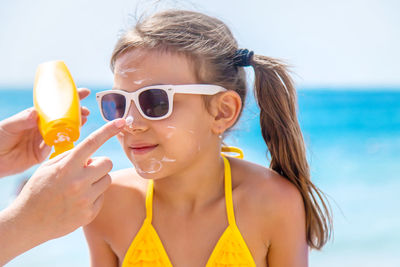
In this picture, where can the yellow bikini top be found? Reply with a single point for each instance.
(231, 249)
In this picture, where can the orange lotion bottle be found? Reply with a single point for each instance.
(56, 101)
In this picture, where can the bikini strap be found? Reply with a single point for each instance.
(149, 201)
(234, 152)
(228, 192)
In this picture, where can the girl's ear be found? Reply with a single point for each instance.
(225, 109)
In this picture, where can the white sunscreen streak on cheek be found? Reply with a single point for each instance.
(165, 159)
(169, 135)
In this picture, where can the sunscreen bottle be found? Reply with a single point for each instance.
(56, 101)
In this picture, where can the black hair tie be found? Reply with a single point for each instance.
(243, 58)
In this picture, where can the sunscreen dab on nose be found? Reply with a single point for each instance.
(56, 101)
(129, 121)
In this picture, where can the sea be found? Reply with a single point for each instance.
(353, 147)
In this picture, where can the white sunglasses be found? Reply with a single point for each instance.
(153, 102)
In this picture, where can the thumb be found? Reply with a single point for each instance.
(24, 120)
(87, 147)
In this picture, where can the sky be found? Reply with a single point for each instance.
(328, 43)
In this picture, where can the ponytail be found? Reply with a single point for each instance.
(276, 97)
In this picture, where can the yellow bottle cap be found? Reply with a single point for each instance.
(61, 148)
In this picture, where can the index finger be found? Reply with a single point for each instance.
(83, 93)
(95, 140)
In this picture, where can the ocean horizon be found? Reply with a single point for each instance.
(352, 136)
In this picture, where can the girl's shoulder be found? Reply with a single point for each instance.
(263, 194)
(123, 206)
(127, 192)
(260, 181)
(127, 181)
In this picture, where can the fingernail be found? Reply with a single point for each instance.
(119, 123)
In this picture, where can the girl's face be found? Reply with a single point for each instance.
(159, 148)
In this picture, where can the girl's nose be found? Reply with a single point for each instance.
(135, 121)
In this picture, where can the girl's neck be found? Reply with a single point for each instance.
(194, 187)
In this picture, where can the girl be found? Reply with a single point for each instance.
(180, 84)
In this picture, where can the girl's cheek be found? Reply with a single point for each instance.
(181, 142)
(170, 132)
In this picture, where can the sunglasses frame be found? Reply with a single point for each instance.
(171, 90)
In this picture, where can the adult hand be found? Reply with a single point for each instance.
(21, 144)
(63, 194)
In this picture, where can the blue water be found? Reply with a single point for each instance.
(353, 142)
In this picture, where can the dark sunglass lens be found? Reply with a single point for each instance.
(154, 102)
(113, 106)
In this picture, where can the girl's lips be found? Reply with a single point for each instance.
(142, 149)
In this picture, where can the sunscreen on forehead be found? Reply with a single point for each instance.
(56, 101)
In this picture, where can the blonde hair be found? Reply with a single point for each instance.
(210, 45)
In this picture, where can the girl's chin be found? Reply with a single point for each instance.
(145, 176)
(150, 176)
(149, 168)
